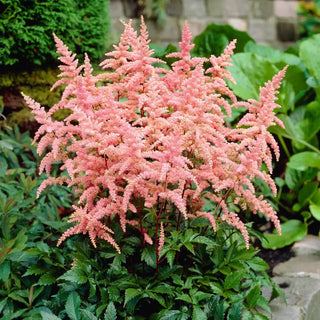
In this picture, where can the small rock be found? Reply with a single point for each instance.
(310, 245)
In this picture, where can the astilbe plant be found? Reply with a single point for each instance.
(141, 137)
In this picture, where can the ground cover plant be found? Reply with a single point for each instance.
(164, 183)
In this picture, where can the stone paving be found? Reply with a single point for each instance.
(299, 279)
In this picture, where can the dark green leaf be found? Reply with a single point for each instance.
(253, 296)
(111, 312)
(233, 279)
(130, 294)
(5, 271)
(75, 275)
(149, 256)
(73, 305)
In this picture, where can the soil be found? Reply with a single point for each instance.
(274, 257)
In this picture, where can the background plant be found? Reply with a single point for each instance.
(26, 29)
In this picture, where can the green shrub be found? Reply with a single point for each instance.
(26, 29)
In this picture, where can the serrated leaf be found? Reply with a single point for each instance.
(87, 315)
(73, 305)
(198, 314)
(205, 240)
(263, 303)
(253, 296)
(235, 312)
(149, 256)
(171, 315)
(184, 297)
(233, 279)
(47, 279)
(75, 275)
(5, 271)
(49, 316)
(158, 298)
(35, 269)
(111, 312)
(170, 257)
(130, 294)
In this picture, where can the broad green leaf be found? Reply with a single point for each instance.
(111, 312)
(233, 279)
(315, 211)
(250, 73)
(310, 124)
(311, 60)
(307, 192)
(73, 305)
(291, 231)
(301, 161)
(271, 54)
(215, 38)
(295, 178)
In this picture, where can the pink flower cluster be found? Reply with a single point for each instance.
(138, 133)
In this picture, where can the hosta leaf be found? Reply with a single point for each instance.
(73, 305)
(250, 73)
(301, 161)
(315, 211)
(111, 312)
(291, 231)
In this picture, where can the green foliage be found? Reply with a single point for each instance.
(309, 13)
(200, 274)
(216, 37)
(26, 29)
